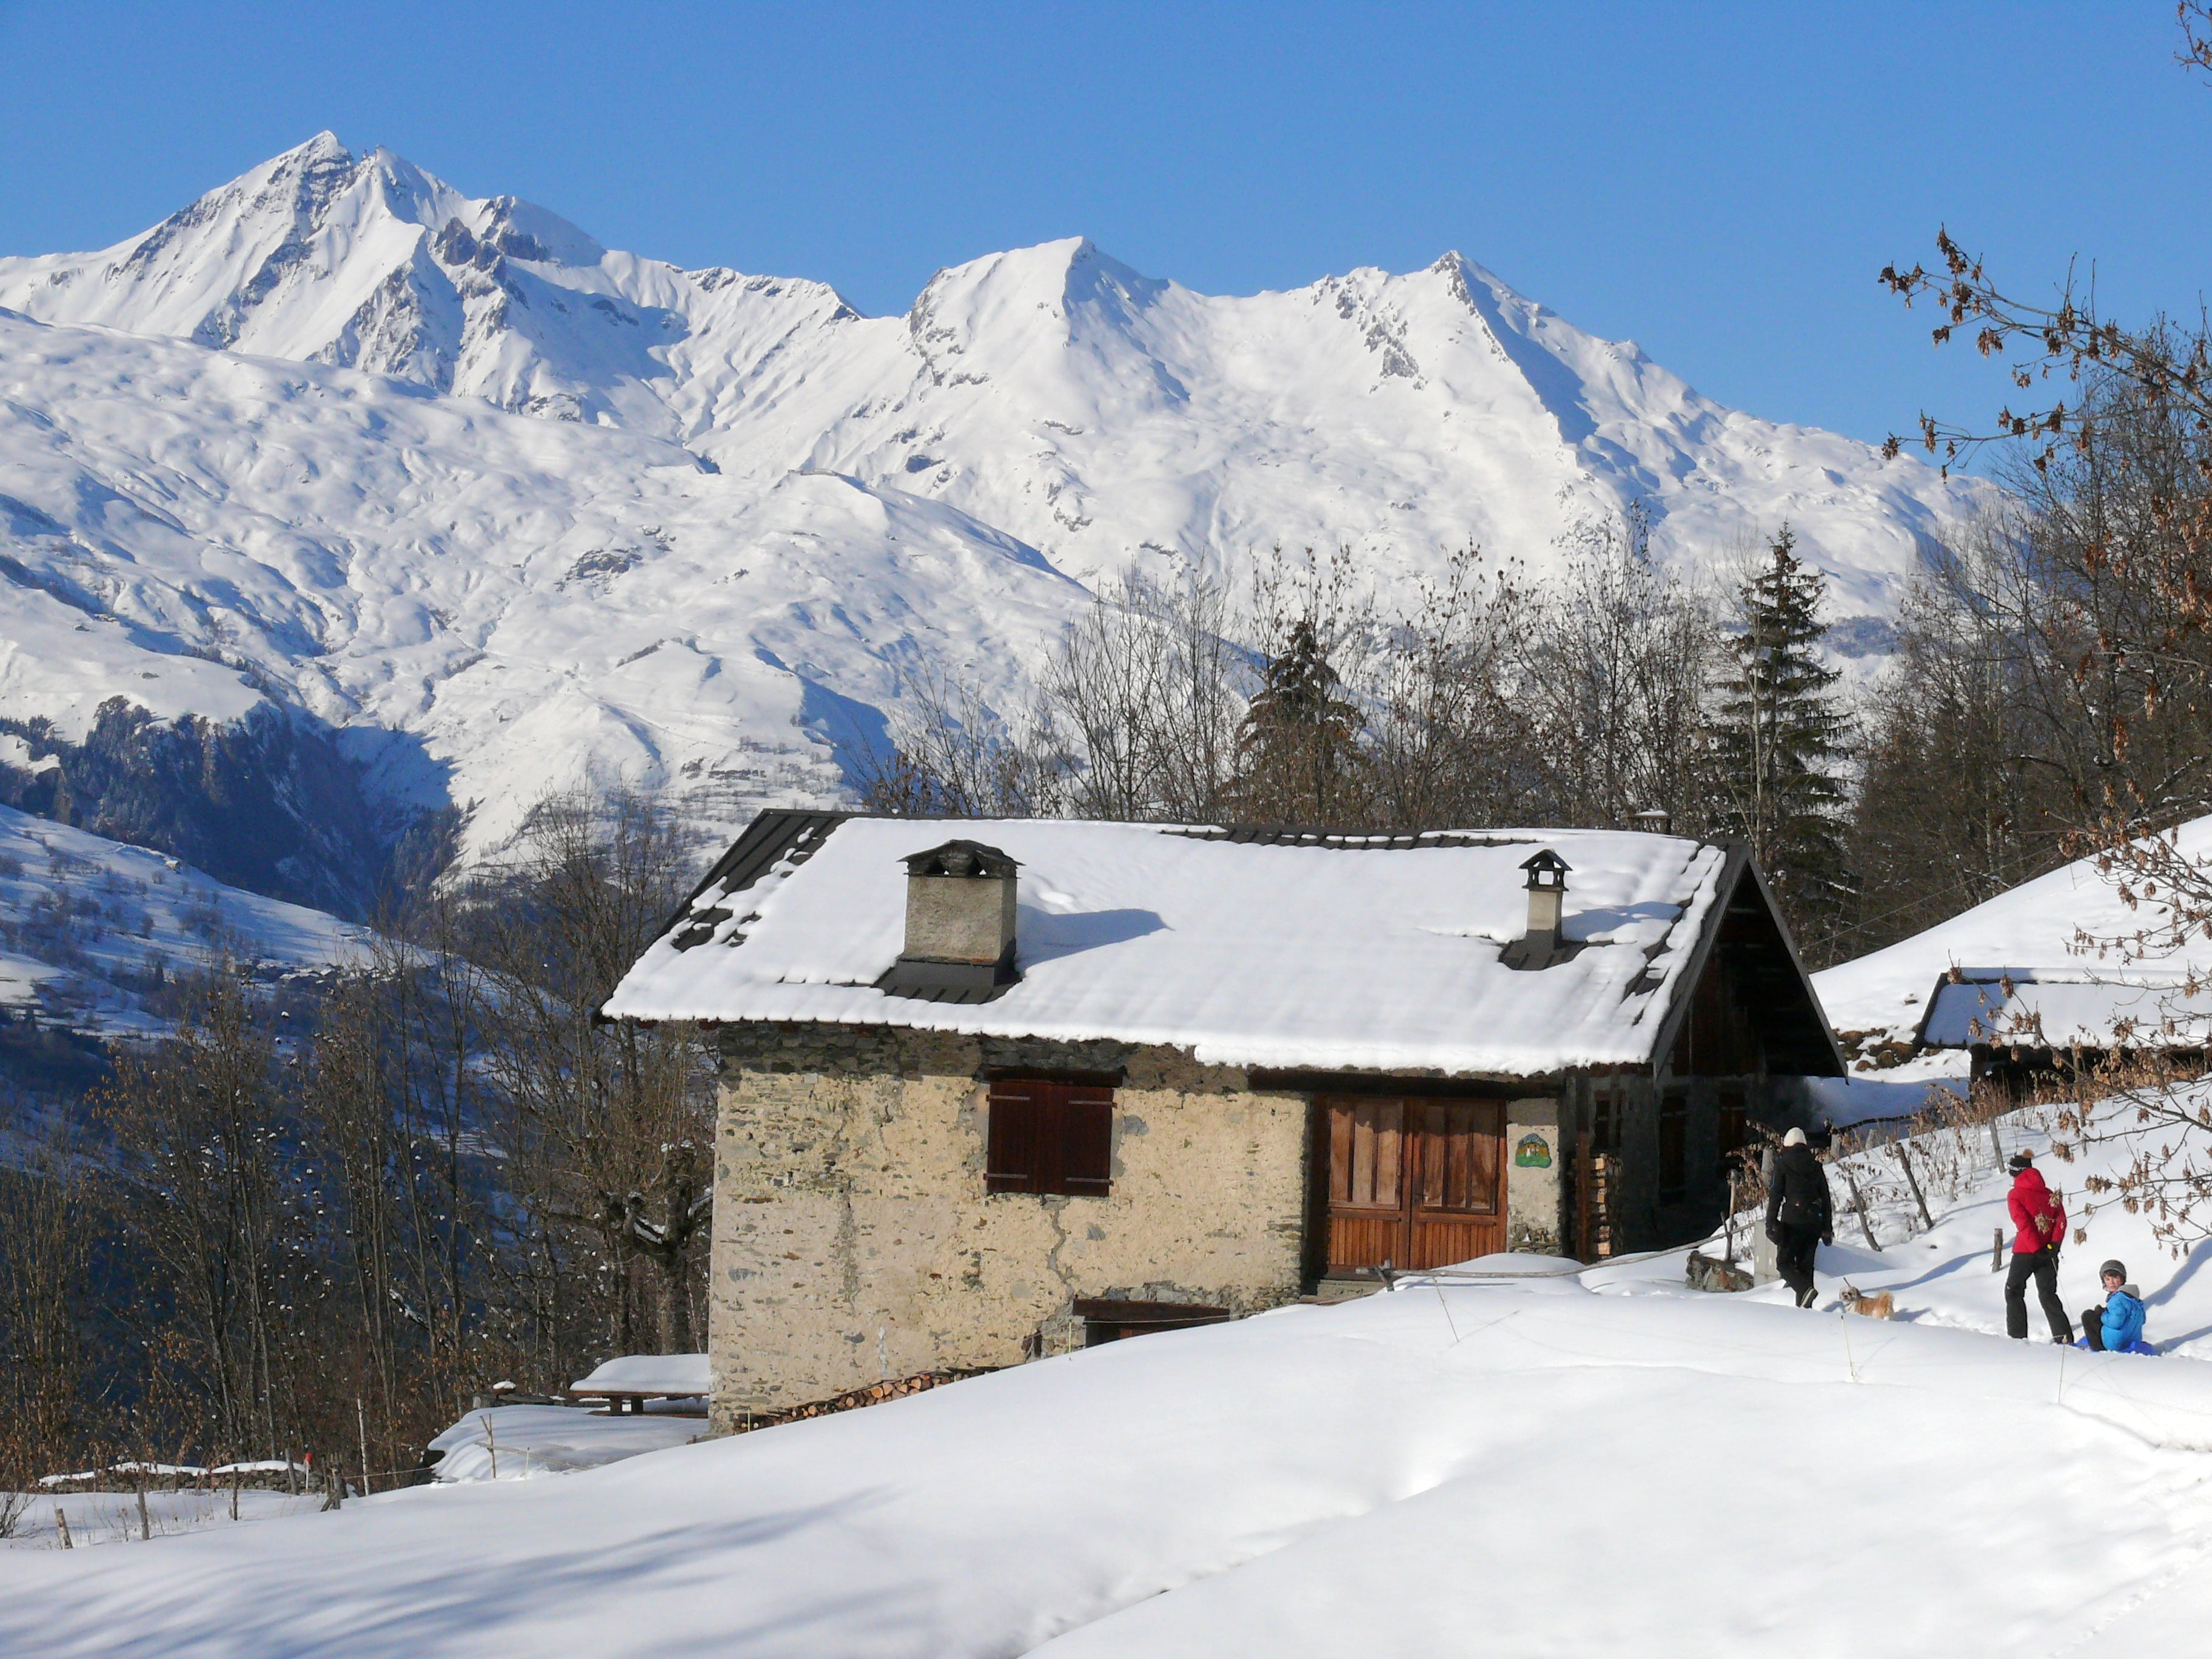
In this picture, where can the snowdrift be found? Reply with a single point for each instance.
(522, 1443)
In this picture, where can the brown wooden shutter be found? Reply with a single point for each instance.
(1366, 1159)
(1049, 1138)
(1010, 1160)
(1085, 1137)
(1457, 1155)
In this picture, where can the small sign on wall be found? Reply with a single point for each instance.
(1533, 1151)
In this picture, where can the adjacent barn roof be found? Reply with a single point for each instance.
(2045, 952)
(1275, 950)
(2002, 1011)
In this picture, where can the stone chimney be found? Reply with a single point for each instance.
(1547, 903)
(959, 925)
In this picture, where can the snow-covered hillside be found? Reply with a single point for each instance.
(485, 604)
(1600, 1463)
(92, 934)
(507, 508)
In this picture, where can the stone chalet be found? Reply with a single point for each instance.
(992, 1088)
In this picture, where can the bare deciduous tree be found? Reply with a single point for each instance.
(604, 1127)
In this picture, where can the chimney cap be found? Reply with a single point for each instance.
(1548, 869)
(961, 858)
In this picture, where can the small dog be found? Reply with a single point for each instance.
(1882, 1305)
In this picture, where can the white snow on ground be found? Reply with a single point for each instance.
(252, 452)
(1603, 1462)
(1247, 955)
(518, 1442)
(85, 922)
(2031, 933)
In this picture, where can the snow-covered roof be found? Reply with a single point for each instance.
(1381, 954)
(2065, 1014)
(2033, 936)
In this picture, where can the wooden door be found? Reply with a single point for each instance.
(1414, 1182)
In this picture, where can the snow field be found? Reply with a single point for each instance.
(1600, 1462)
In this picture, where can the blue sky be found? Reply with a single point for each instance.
(1720, 182)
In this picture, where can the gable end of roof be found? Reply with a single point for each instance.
(1809, 1047)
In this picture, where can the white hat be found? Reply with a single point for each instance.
(1795, 1138)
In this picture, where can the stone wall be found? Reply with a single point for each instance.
(1535, 1218)
(854, 1241)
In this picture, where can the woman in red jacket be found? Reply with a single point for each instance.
(2039, 1221)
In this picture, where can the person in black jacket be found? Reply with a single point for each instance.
(1799, 1216)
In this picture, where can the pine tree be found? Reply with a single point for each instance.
(1781, 744)
(1297, 748)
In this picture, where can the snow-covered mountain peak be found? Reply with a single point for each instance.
(484, 605)
(1092, 411)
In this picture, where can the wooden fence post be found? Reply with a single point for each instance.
(1858, 1203)
(1905, 1160)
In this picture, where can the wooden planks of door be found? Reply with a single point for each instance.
(1413, 1182)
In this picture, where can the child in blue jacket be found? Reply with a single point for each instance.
(2117, 1327)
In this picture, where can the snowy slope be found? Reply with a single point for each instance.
(491, 604)
(724, 518)
(90, 930)
(1567, 1466)
(2035, 932)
